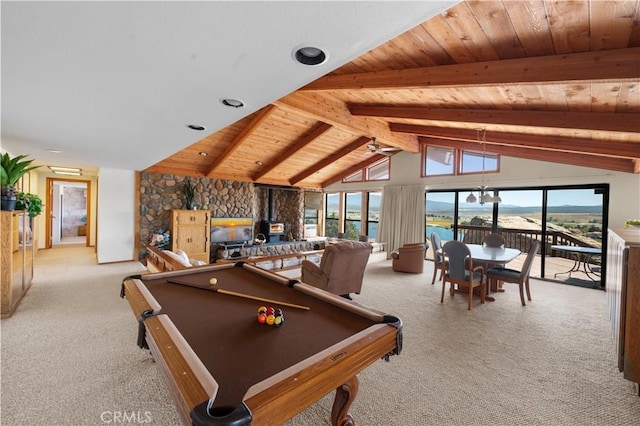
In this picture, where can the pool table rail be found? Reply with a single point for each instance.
(315, 377)
(186, 386)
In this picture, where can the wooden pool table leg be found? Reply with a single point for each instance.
(345, 395)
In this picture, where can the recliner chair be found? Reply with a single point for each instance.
(341, 269)
(409, 258)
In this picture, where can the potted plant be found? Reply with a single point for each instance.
(12, 169)
(189, 191)
(31, 203)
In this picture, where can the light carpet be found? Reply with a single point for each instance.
(69, 355)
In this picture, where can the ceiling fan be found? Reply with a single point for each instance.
(377, 149)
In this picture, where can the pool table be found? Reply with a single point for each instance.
(223, 367)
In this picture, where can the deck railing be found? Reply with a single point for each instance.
(521, 239)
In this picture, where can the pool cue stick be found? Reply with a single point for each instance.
(261, 299)
(244, 295)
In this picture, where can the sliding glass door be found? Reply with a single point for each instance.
(575, 225)
(519, 221)
(570, 223)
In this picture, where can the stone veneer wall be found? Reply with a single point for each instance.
(161, 193)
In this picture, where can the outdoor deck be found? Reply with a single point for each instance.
(557, 263)
(554, 265)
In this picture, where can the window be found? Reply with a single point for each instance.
(332, 218)
(437, 161)
(377, 171)
(440, 161)
(440, 216)
(373, 213)
(478, 162)
(353, 215)
(356, 177)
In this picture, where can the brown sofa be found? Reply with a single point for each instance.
(341, 269)
(409, 258)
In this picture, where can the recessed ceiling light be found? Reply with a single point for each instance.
(234, 103)
(203, 154)
(259, 163)
(195, 127)
(310, 55)
(54, 151)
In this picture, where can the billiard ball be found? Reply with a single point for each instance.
(270, 311)
(213, 281)
(270, 319)
(262, 318)
(279, 321)
(262, 310)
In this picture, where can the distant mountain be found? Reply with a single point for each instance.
(442, 206)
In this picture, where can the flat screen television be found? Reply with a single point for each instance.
(226, 230)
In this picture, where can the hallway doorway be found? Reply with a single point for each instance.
(67, 213)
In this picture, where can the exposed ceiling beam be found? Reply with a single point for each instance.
(627, 165)
(601, 66)
(361, 141)
(262, 115)
(366, 163)
(612, 122)
(305, 140)
(335, 112)
(557, 143)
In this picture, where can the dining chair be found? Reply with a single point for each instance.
(493, 240)
(436, 245)
(458, 269)
(500, 273)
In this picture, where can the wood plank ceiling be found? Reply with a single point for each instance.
(549, 80)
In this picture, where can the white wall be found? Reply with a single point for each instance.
(116, 215)
(624, 202)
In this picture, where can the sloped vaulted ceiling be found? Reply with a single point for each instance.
(548, 80)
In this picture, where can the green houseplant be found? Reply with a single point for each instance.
(632, 222)
(11, 170)
(31, 203)
(189, 191)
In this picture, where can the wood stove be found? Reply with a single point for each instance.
(272, 230)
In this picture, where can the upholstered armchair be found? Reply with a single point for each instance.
(409, 258)
(341, 269)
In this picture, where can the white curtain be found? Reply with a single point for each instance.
(401, 216)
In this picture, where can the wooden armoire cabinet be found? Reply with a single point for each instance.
(623, 298)
(190, 232)
(17, 249)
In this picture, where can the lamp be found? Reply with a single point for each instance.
(484, 196)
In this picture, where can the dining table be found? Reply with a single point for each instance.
(491, 256)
